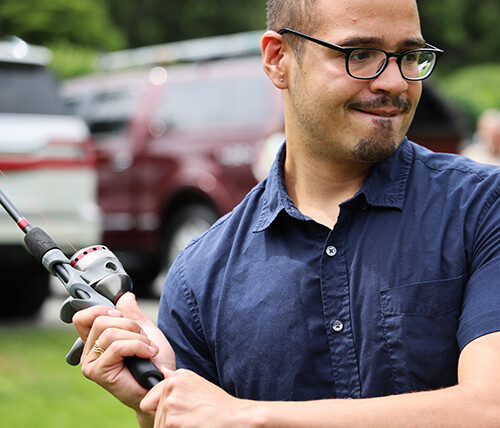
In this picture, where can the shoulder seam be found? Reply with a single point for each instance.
(487, 205)
(481, 176)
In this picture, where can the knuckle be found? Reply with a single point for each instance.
(87, 371)
(108, 334)
(113, 347)
(131, 325)
(172, 422)
(100, 322)
(183, 373)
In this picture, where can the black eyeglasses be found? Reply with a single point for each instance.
(368, 63)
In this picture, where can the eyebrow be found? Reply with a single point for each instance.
(376, 41)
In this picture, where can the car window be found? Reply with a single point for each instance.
(106, 112)
(28, 89)
(204, 104)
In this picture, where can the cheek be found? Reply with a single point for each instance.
(414, 93)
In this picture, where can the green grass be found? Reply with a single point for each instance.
(39, 389)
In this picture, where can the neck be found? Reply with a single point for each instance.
(318, 187)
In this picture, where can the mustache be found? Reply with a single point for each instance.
(399, 103)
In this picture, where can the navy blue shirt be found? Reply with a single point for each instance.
(271, 305)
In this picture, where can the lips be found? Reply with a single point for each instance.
(380, 113)
(382, 107)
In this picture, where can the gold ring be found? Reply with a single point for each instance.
(97, 349)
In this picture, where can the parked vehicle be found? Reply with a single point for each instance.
(178, 129)
(47, 160)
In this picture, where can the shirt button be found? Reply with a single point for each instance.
(337, 326)
(331, 250)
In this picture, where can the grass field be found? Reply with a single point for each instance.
(39, 389)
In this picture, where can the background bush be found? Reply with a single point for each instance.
(473, 88)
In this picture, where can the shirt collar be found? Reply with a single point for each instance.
(385, 186)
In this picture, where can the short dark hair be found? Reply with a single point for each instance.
(296, 14)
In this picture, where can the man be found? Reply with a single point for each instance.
(355, 286)
(486, 147)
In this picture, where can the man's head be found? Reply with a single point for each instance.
(297, 14)
(329, 113)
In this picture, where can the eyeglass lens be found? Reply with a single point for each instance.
(367, 63)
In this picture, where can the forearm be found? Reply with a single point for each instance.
(450, 407)
(144, 420)
(189, 400)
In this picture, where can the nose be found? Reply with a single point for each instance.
(390, 81)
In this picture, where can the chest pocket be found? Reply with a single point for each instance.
(420, 322)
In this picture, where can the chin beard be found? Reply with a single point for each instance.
(378, 146)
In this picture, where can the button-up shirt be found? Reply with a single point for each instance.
(271, 305)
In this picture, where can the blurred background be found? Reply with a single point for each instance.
(136, 125)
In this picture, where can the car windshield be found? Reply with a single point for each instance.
(28, 89)
(228, 101)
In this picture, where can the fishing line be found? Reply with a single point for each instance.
(37, 210)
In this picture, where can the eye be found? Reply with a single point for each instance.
(362, 55)
(412, 57)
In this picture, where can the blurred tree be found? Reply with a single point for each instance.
(83, 22)
(467, 30)
(160, 21)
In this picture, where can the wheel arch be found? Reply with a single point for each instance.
(183, 198)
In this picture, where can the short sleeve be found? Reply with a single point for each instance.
(178, 319)
(481, 299)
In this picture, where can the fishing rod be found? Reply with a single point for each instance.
(93, 276)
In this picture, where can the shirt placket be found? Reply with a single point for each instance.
(336, 308)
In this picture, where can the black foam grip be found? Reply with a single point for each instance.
(144, 371)
(38, 242)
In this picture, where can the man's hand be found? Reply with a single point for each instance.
(121, 332)
(185, 399)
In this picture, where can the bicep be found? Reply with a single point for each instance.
(479, 365)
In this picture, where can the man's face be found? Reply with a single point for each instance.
(341, 118)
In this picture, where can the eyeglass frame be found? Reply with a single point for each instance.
(348, 52)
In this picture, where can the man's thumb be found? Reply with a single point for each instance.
(127, 305)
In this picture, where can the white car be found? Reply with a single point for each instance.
(47, 166)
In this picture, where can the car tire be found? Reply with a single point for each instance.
(24, 290)
(187, 223)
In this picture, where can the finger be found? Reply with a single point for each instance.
(162, 410)
(111, 335)
(120, 349)
(116, 326)
(104, 368)
(84, 319)
(149, 403)
(166, 371)
(128, 306)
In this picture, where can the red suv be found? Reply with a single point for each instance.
(177, 144)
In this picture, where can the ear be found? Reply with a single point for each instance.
(274, 58)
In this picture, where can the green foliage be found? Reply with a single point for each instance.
(38, 389)
(161, 21)
(82, 22)
(71, 60)
(474, 88)
(467, 30)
